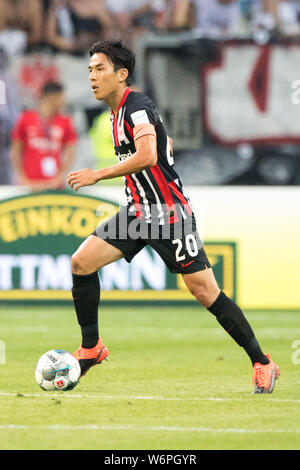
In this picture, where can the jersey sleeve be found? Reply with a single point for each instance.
(141, 111)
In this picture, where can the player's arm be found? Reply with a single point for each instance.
(144, 157)
(68, 158)
(52, 36)
(16, 151)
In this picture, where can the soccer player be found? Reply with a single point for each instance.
(158, 214)
(43, 141)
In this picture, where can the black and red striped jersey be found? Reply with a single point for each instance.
(156, 193)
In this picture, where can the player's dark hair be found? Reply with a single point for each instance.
(118, 54)
(52, 87)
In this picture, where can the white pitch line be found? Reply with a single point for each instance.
(105, 397)
(132, 397)
(95, 427)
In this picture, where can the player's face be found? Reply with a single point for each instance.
(55, 102)
(58, 101)
(103, 78)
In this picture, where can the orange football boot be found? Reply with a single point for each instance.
(264, 376)
(91, 357)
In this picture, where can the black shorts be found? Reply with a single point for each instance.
(177, 244)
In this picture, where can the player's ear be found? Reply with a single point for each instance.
(122, 74)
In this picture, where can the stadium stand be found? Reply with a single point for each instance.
(176, 42)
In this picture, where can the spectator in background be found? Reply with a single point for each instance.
(20, 25)
(288, 13)
(43, 142)
(264, 15)
(10, 107)
(276, 16)
(73, 25)
(175, 15)
(218, 18)
(133, 18)
(119, 11)
(142, 18)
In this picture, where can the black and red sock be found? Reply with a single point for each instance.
(232, 319)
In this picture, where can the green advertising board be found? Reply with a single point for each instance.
(39, 233)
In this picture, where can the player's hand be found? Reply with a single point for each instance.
(85, 177)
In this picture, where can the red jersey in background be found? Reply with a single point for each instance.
(43, 142)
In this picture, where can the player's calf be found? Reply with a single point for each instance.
(203, 286)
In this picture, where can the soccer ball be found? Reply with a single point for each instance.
(57, 370)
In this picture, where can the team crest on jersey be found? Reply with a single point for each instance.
(57, 132)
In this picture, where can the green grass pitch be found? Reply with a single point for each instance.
(174, 380)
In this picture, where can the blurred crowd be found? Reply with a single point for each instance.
(72, 25)
(44, 139)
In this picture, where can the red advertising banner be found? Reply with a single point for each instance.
(248, 94)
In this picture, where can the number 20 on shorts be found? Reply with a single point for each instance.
(191, 246)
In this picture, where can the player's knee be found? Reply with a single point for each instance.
(204, 294)
(79, 265)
